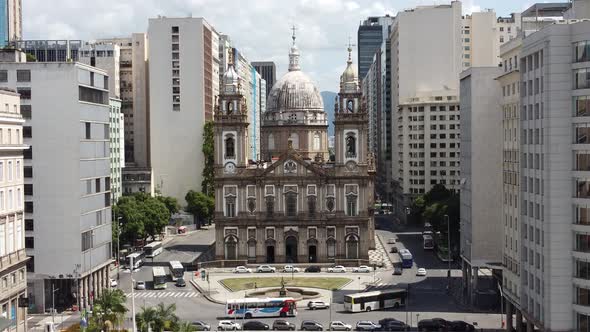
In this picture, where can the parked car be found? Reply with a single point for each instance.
(392, 324)
(366, 325)
(228, 325)
(113, 283)
(255, 325)
(182, 230)
(310, 325)
(291, 268)
(283, 325)
(337, 269)
(461, 326)
(397, 270)
(421, 272)
(313, 305)
(180, 282)
(393, 250)
(340, 326)
(362, 269)
(140, 285)
(201, 326)
(242, 269)
(434, 324)
(391, 240)
(313, 269)
(265, 269)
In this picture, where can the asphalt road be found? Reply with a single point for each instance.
(428, 297)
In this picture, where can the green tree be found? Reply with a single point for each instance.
(156, 217)
(147, 318)
(167, 319)
(141, 216)
(185, 327)
(208, 183)
(170, 202)
(109, 309)
(200, 205)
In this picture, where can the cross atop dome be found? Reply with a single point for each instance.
(294, 53)
(350, 45)
(293, 28)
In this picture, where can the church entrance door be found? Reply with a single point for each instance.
(270, 254)
(291, 249)
(313, 258)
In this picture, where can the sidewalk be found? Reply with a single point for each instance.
(37, 322)
(215, 292)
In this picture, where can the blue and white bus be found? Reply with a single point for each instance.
(407, 258)
(254, 307)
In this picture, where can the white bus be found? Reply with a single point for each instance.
(376, 300)
(137, 260)
(428, 242)
(269, 307)
(176, 270)
(153, 249)
(160, 277)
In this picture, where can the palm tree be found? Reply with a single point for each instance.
(185, 327)
(167, 319)
(147, 317)
(110, 307)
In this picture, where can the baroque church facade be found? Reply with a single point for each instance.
(294, 205)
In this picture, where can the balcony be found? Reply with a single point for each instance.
(13, 258)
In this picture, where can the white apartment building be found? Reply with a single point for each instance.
(116, 148)
(181, 61)
(482, 35)
(509, 80)
(13, 257)
(481, 177)
(425, 99)
(133, 72)
(67, 179)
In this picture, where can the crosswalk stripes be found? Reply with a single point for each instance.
(163, 294)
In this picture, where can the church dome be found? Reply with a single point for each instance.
(294, 91)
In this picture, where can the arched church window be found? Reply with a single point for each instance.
(350, 146)
(230, 107)
(311, 205)
(316, 141)
(352, 247)
(230, 147)
(291, 204)
(270, 206)
(350, 106)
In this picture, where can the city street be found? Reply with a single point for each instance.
(428, 297)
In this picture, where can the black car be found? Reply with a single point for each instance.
(201, 326)
(313, 268)
(434, 324)
(180, 282)
(461, 326)
(393, 250)
(254, 325)
(310, 325)
(283, 325)
(392, 324)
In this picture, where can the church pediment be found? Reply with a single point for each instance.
(292, 164)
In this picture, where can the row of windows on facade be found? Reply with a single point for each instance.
(96, 185)
(442, 108)
(433, 173)
(536, 86)
(452, 117)
(10, 136)
(97, 53)
(7, 203)
(175, 69)
(433, 182)
(508, 66)
(88, 131)
(533, 160)
(434, 136)
(510, 89)
(11, 237)
(22, 75)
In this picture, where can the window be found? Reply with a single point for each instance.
(25, 93)
(175, 29)
(28, 171)
(86, 240)
(88, 131)
(23, 75)
(291, 204)
(28, 153)
(97, 185)
(91, 95)
(29, 242)
(230, 147)
(351, 192)
(28, 189)
(29, 225)
(582, 51)
(350, 145)
(9, 170)
(3, 76)
(31, 264)
(27, 132)
(582, 78)
(28, 205)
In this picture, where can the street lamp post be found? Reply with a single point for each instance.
(446, 216)
(53, 290)
(132, 296)
(118, 246)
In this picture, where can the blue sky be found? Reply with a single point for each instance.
(259, 28)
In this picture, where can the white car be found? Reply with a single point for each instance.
(337, 269)
(140, 285)
(266, 268)
(391, 240)
(291, 268)
(421, 272)
(242, 269)
(362, 269)
(113, 283)
(313, 305)
(340, 326)
(228, 325)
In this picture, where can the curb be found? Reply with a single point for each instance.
(384, 247)
(207, 296)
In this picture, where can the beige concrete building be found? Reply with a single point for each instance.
(294, 206)
(13, 258)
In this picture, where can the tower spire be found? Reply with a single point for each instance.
(294, 53)
(350, 45)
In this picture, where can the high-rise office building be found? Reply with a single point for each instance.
(12, 217)
(67, 188)
(370, 36)
(425, 100)
(182, 55)
(481, 179)
(133, 91)
(268, 71)
(10, 21)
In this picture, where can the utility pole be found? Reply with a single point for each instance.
(132, 297)
(53, 290)
(118, 246)
(446, 216)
